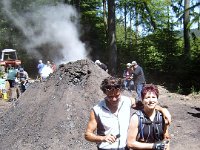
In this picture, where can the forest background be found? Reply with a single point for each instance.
(163, 36)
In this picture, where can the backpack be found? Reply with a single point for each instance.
(157, 124)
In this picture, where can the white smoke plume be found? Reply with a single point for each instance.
(55, 27)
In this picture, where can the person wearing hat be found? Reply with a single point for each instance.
(101, 65)
(49, 64)
(23, 77)
(40, 66)
(128, 77)
(139, 80)
(109, 119)
(148, 129)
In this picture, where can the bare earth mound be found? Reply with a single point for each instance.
(53, 114)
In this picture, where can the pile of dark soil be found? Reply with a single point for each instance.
(53, 114)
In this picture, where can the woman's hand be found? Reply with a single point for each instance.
(161, 145)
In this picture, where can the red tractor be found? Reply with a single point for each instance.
(9, 57)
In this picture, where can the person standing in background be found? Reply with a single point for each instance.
(139, 81)
(11, 75)
(101, 65)
(128, 77)
(23, 77)
(53, 66)
(49, 64)
(40, 66)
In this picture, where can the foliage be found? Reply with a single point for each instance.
(149, 38)
(195, 49)
(92, 24)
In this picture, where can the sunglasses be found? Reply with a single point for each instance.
(112, 87)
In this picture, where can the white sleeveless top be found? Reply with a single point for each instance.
(109, 123)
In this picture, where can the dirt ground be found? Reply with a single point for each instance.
(53, 114)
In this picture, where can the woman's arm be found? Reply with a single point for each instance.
(167, 136)
(166, 132)
(132, 135)
(167, 119)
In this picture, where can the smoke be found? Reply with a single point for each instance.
(51, 31)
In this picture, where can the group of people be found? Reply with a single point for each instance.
(113, 126)
(133, 76)
(134, 79)
(44, 70)
(15, 75)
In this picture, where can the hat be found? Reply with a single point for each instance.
(97, 62)
(128, 65)
(134, 63)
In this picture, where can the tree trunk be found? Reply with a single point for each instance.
(67, 1)
(131, 33)
(125, 32)
(136, 23)
(152, 20)
(186, 29)
(112, 38)
(199, 21)
(105, 18)
(77, 5)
